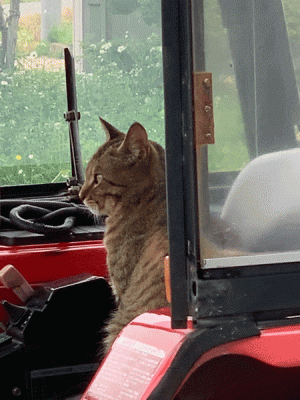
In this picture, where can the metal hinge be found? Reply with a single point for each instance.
(203, 108)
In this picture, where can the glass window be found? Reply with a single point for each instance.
(118, 52)
(252, 49)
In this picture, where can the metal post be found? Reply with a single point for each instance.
(51, 16)
(182, 219)
(72, 117)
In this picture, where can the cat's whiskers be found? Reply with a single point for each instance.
(92, 205)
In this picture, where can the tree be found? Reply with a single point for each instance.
(9, 28)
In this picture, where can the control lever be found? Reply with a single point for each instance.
(12, 279)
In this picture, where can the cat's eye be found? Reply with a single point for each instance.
(97, 178)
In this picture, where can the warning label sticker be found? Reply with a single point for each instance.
(126, 372)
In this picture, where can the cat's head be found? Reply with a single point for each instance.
(124, 164)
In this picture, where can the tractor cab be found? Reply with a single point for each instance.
(231, 115)
(231, 80)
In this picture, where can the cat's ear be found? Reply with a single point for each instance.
(136, 140)
(111, 131)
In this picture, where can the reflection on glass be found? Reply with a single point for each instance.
(252, 49)
(230, 150)
(119, 78)
(33, 134)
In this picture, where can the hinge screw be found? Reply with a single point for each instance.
(206, 82)
(16, 392)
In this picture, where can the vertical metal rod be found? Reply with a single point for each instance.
(72, 118)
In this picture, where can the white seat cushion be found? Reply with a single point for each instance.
(263, 205)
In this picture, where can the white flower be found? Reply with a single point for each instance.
(20, 171)
(106, 46)
(33, 54)
(30, 156)
(4, 83)
(121, 48)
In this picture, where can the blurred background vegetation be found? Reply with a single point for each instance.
(124, 83)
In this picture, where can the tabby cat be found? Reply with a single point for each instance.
(125, 180)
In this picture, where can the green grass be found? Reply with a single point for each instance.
(229, 152)
(34, 174)
(32, 125)
(33, 133)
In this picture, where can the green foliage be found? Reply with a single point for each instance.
(33, 102)
(61, 34)
(292, 14)
(29, 35)
(124, 7)
(230, 149)
(43, 48)
(125, 84)
(149, 9)
(24, 174)
(129, 77)
(25, 42)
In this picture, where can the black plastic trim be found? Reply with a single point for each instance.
(76, 234)
(258, 294)
(33, 191)
(174, 126)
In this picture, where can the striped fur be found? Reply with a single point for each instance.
(125, 179)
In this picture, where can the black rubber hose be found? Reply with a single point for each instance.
(8, 204)
(42, 216)
(49, 204)
(64, 212)
(22, 215)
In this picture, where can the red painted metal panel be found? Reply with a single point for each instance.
(279, 347)
(138, 358)
(48, 262)
(145, 349)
